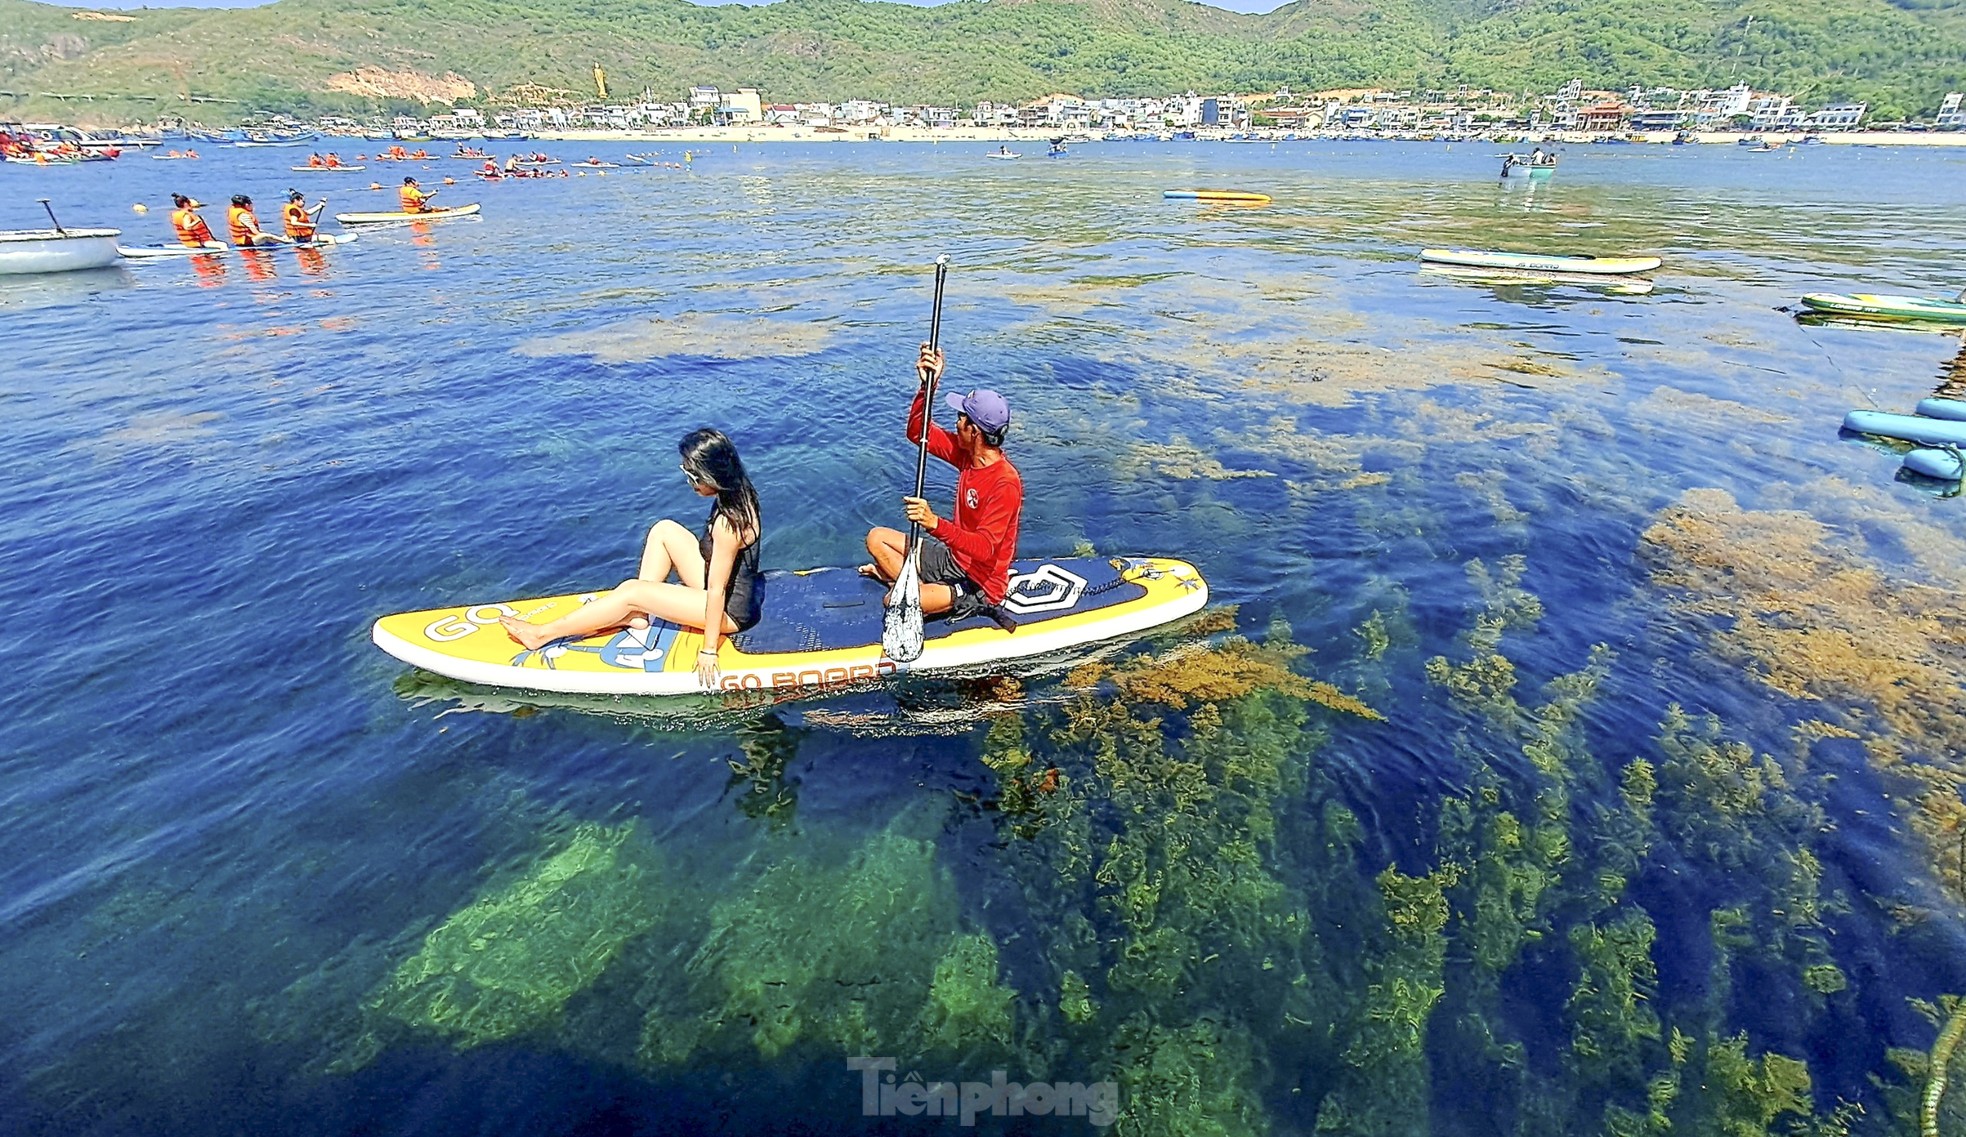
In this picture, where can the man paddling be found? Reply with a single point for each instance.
(415, 200)
(965, 558)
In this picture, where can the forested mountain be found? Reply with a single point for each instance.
(311, 56)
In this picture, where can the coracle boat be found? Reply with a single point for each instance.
(24, 251)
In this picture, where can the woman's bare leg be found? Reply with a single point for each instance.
(676, 603)
(670, 547)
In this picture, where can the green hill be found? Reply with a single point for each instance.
(313, 56)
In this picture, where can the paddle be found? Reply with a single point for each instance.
(902, 635)
(63, 232)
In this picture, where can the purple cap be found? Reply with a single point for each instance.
(985, 408)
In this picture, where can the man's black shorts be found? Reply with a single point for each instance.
(938, 566)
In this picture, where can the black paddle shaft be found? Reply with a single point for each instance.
(928, 395)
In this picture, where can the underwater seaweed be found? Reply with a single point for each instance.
(508, 963)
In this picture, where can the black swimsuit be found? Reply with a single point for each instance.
(744, 599)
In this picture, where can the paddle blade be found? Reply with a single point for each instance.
(901, 636)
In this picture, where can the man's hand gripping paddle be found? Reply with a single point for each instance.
(902, 635)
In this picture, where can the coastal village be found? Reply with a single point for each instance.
(1571, 113)
(1459, 112)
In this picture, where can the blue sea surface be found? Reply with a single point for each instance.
(256, 876)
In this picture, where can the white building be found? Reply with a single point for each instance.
(1844, 116)
(1951, 116)
(739, 108)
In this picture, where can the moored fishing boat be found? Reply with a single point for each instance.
(24, 251)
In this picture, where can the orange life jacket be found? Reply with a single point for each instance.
(243, 225)
(300, 223)
(413, 199)
(191, 228)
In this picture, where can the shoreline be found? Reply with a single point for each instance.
(1040, 137)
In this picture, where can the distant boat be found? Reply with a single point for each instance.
(25, 251)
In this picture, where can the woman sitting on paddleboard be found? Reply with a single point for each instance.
(721, 590)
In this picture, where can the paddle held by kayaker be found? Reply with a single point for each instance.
(965, 558)
(719, 588)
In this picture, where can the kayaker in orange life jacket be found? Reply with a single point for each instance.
(415, 200)
(244, 225)
(191, 228)
(301, 222)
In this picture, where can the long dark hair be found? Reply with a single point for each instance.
(711, 460)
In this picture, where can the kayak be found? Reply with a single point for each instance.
(1877, 307)
(431, 215)
(166, 252)
(821, 630)
(1217, 195)
(1592, 266)
(326, 169)
(1005, 157)
(592, 166)
(1933, 462)
(1908, 428)
(1942, 408)
(1623, 286)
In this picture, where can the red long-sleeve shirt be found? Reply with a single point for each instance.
(982, 533)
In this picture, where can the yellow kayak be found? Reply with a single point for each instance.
(1242, 196)
(821, 630)
(397, 215)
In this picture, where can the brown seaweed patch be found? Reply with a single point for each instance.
(1219, 673)
(1178, 459)
(1676, 405)
(693, 333)
(1814, 621)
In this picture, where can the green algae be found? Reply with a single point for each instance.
(508, 963)
(864, 956)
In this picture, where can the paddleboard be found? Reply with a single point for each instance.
(1910, 428)
(1936, 407)
(1589, 266)
(166, 252)
(382, 218)
(821, 629)
(1876, 307)
(327, 169)
(1217, 195)
(592, 166)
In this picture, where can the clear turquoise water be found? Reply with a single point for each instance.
(253, 877)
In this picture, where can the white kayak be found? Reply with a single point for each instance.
(172, 252)
(1530, 262)
(327, 169)
(398, 215)
(25, 251)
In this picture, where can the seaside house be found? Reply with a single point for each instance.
(1951, 117)
(1843, 116)
(741, 107)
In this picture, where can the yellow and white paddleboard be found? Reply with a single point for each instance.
(398, 215)
(821, 628)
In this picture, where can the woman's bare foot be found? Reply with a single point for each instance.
(532, 637)
(870, 571)
(638, 622)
